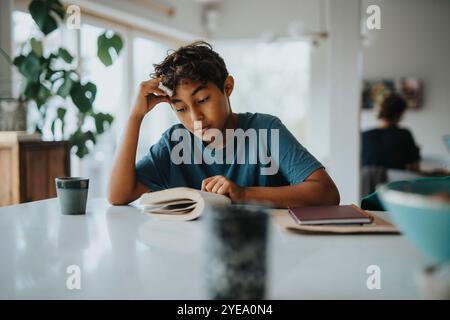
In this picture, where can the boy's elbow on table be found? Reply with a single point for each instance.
(115, 201)
(117, 198)
(329, 193)
(333, 197)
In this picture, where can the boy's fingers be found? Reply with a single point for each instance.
(205, 182)
(221, 180)
(217, 185)
(210, 185)
(223, 190)
(149, 90)
(150, 86)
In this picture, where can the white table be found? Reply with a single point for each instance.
(124, 254)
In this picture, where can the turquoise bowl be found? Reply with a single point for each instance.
(421, 211)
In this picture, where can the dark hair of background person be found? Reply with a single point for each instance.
(392, 108)
(197, 62)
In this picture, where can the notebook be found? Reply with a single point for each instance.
(379, 225)
(348, 214)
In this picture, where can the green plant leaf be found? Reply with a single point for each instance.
(50, 74)
(79, 139)
(90, 136)
(29, 66)
(100, 119)
(61, 112)
(52, 128)
(83, 96)
(42, 96)
(46, 62)
(36, 46)
(108, 47)
(19, 60)
(31, 90)
(37, 128)
(54, 75)
(65, 55)
(66, 86)
(45, 12)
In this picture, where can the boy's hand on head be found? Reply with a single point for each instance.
(148, 97)
(222, 185)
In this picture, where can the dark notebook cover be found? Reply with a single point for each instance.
(347, 214)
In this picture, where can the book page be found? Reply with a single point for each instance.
(169, 196)
(178, 209)
(213, 198)
(179, 203)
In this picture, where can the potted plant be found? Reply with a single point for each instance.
(52, 75)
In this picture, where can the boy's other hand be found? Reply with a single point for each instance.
(222, 185)
(148, 97)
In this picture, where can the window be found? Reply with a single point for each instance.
(110, 81)
(270, 78)
(111, 97)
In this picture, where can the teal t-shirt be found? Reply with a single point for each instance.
(261, 153)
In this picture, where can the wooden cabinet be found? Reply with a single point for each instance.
(28, 168)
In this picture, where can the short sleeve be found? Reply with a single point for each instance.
(295, 162)
(153, 169)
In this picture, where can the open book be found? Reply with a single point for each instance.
(179, 203)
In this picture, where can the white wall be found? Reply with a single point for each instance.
(415, 41)
(242, 19)
(344, 92)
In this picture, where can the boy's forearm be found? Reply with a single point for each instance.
(307, 193)
(123, 176)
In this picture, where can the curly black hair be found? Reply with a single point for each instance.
(392, 108)
(197, 62)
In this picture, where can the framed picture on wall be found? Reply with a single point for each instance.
(411, 90)
(375, 90)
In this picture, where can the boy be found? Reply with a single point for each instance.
(197, 85)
